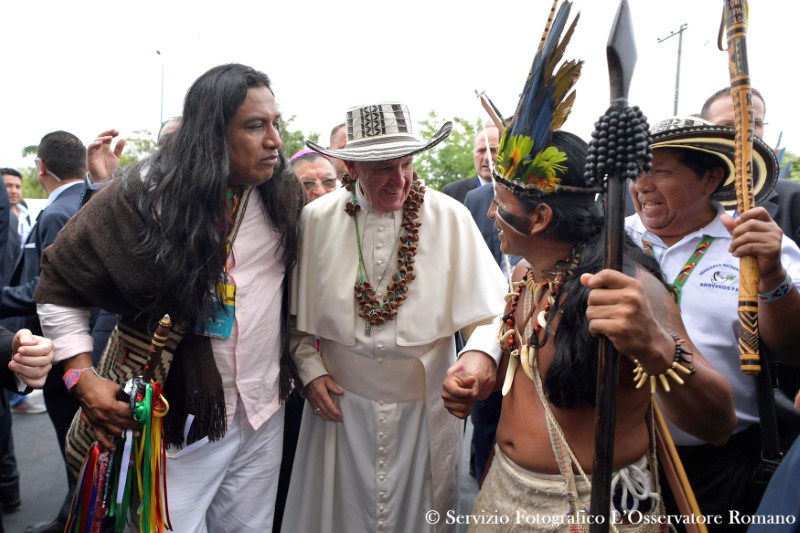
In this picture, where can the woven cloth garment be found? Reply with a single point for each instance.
(529, 501)
(124, 358)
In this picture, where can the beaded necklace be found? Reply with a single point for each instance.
(369, 308)
(529, 342)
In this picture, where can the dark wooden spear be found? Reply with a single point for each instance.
(621, 55)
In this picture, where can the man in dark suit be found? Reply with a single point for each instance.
(25, 361)
(6, 229)
(31, 369)
(16, 217)
(486, 143)
(485, 413)
(783, 205)
(478, 202)
(9, 475)
(458, 189)
(60, 167)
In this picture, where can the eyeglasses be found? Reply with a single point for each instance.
(36, 162)
(328, 183)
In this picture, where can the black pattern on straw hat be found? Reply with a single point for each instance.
(381, 132)
(690, 133)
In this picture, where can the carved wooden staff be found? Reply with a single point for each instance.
(735, 22)
(735, 16)
(129, 390)
(157, 343)
(617, 152)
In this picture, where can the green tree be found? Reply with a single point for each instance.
(794, 163)
(140, 145)
(450, 160)
(294, 140)
(31, 188)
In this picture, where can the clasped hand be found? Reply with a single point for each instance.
(32, 359)
(471, 378)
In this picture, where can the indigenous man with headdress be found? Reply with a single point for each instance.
(560, 302)
(681, 218)
(377, 450)
(206, 230)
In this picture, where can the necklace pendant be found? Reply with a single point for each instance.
(542, 319)
(367, 329)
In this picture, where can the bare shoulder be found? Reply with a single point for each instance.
(662, 302)
(520, 270)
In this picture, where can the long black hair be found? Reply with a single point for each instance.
(182, 197)
(571, 377)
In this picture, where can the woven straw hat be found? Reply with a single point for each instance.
(692, 133)
(381, 132)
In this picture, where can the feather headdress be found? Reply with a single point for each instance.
(527, 161)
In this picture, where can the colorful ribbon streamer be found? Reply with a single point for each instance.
(130, 483)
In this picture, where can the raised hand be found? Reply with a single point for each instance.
(102, 160)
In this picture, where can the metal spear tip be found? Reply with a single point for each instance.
(621, 54)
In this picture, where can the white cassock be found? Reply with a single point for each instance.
(396, 454)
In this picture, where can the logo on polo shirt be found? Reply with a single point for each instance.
(721, 276)
(718, 277)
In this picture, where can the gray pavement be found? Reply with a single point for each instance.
(469, 485)
(43, 481)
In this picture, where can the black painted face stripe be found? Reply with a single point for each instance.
(519, 224)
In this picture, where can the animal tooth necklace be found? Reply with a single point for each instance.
(530, 342)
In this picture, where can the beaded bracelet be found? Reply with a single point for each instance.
(640, 377)
(778, 292)
(71, 377)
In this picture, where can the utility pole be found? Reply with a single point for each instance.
(161, 115)
(679, 33)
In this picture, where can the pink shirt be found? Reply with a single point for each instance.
(249, 361)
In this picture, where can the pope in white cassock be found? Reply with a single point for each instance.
(387, 273)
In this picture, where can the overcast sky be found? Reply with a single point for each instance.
(85, 66)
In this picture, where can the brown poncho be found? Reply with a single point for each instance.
(91, 265)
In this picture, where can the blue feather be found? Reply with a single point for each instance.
(542, 96)
(536, 103)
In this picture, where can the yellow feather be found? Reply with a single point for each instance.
(561, 112)
(558, 52)
(565, 79)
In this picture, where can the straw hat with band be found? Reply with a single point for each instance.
(381, 132)
(690, 133)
